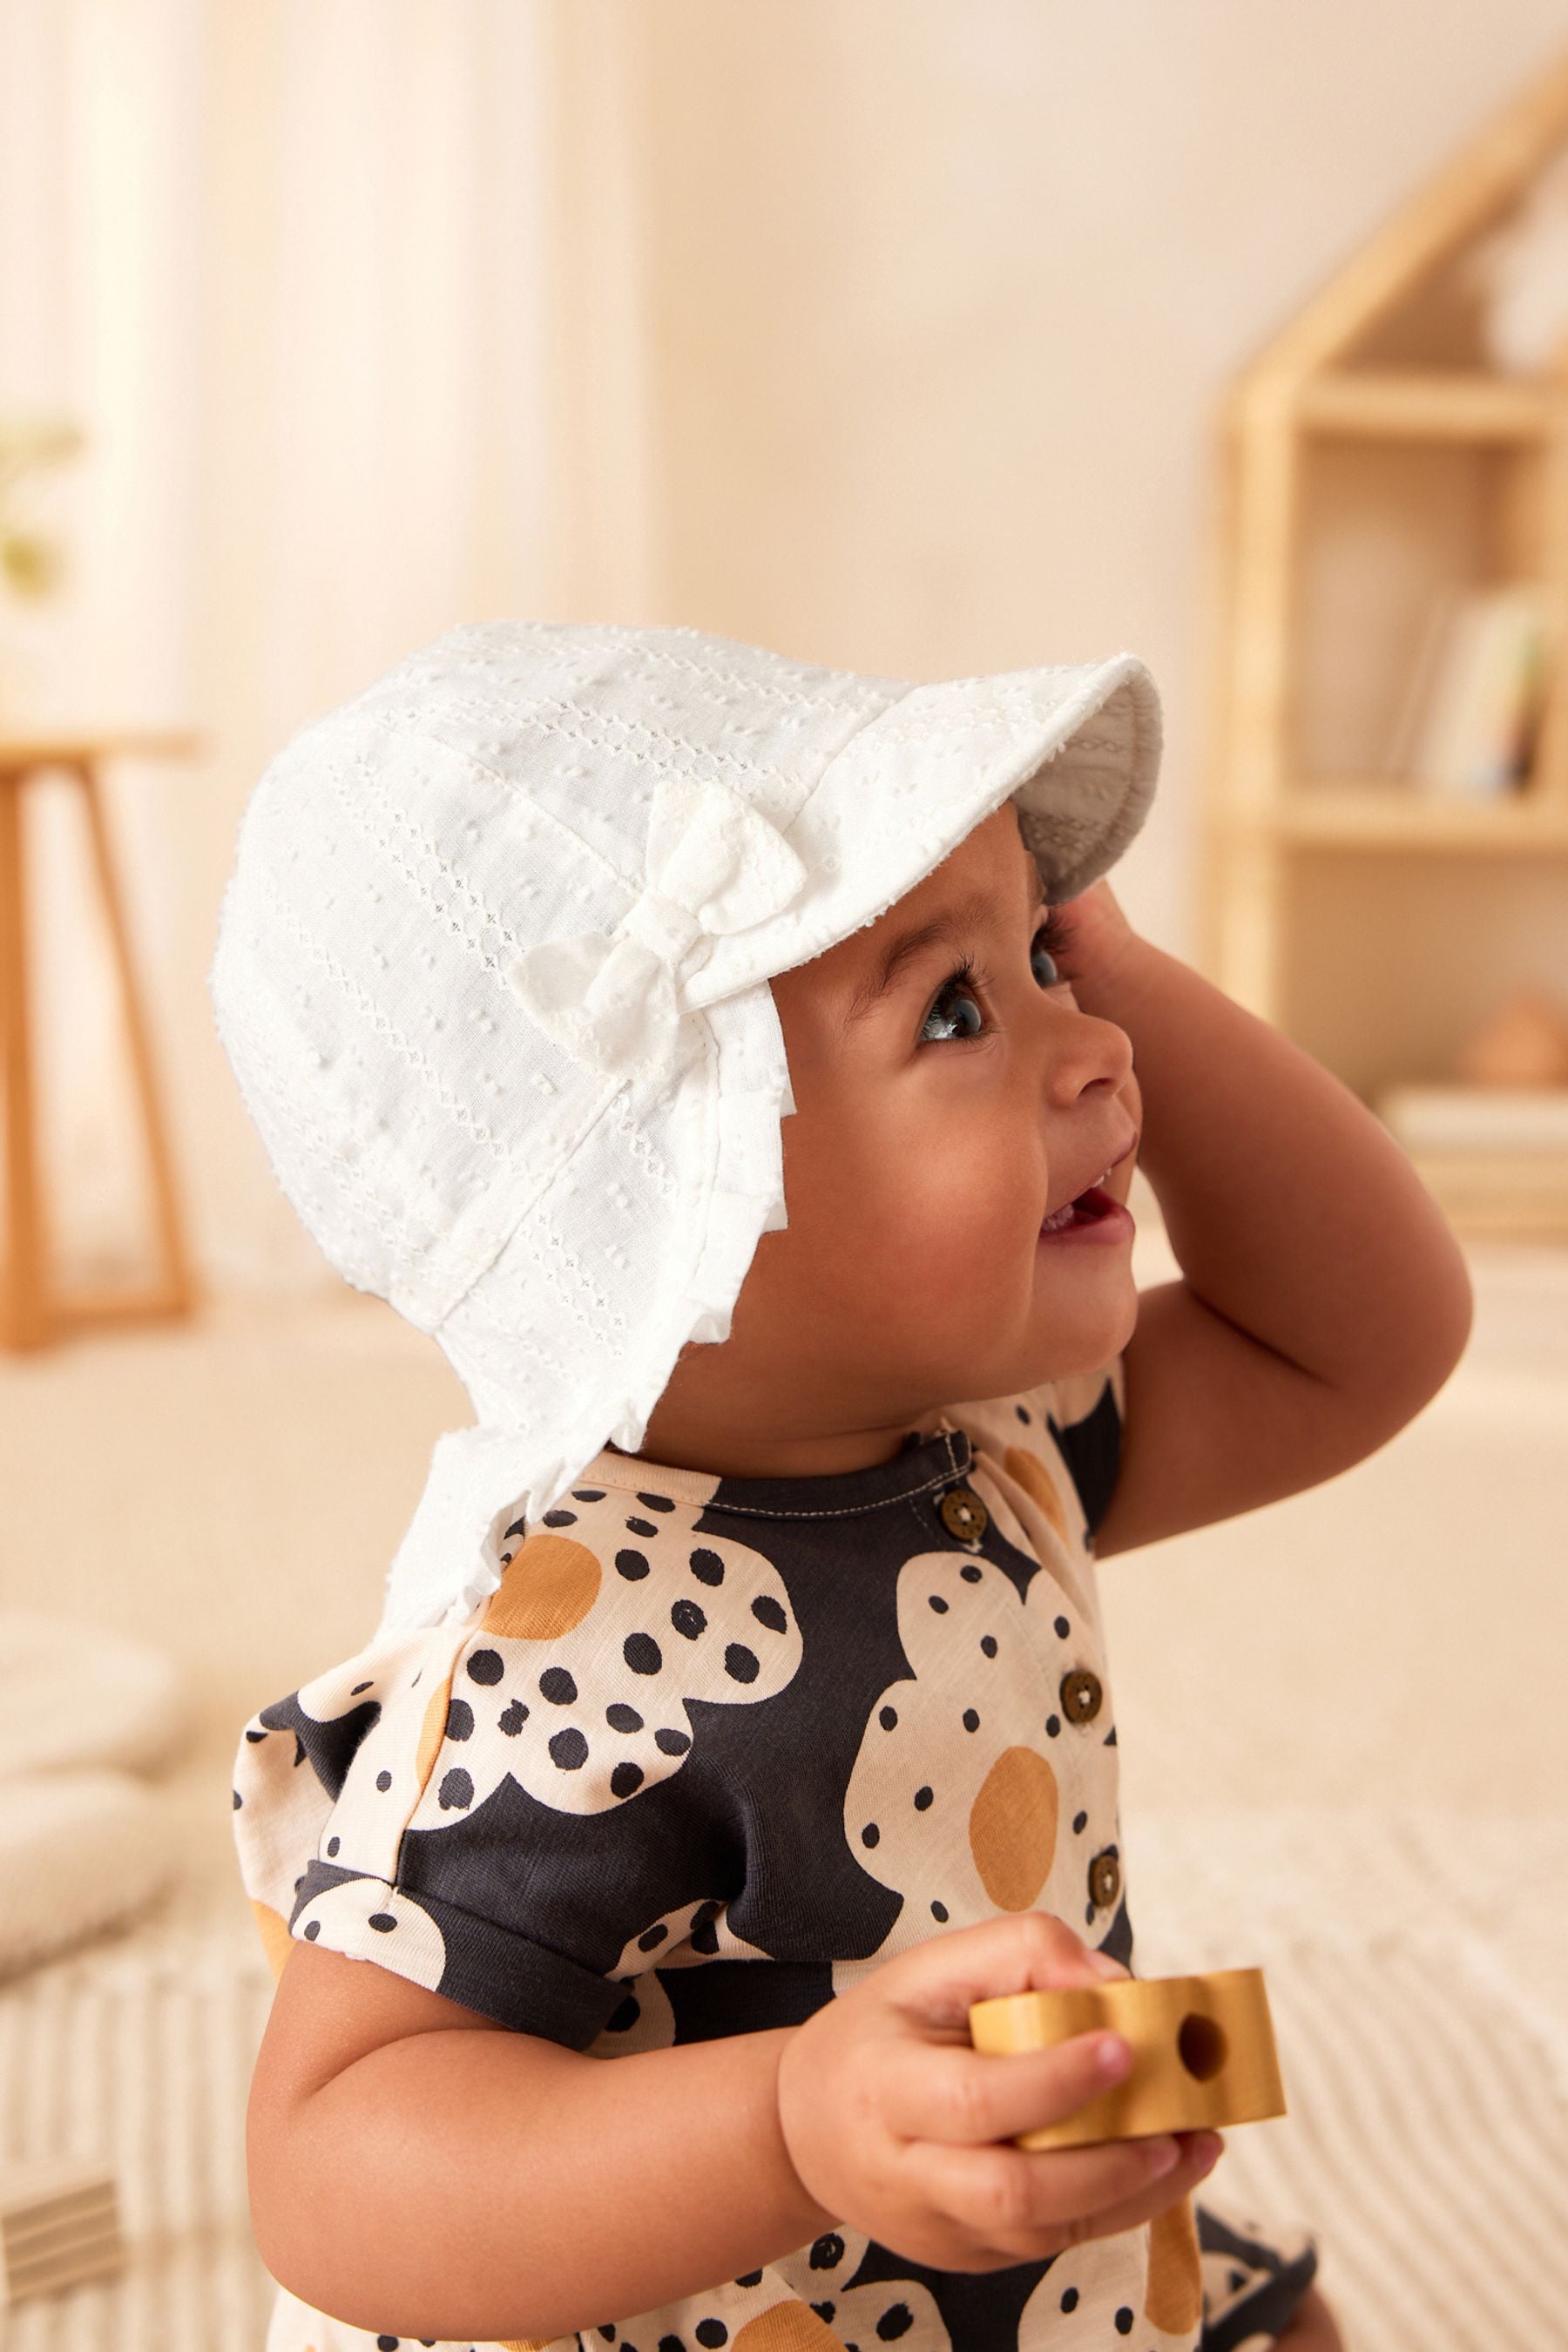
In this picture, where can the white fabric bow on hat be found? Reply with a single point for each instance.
(715, 864)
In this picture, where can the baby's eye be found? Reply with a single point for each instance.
(1049, 941)
(966, 1021)
(1052, 976)
(955, 1009)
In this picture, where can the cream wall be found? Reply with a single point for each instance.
(946, 294)
(884, 331)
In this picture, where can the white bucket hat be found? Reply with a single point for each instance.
(492, 968)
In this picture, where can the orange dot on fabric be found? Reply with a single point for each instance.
(549, 1588)
(1174, 2295)
(1013, 1828)
(1027, 1470)
(276, 1940)
(432, 1730)
(788, 2327)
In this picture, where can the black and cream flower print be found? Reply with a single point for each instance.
(714, 1751)
(608, 1626)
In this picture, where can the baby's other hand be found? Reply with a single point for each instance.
(1098, 935)
(897, 2126)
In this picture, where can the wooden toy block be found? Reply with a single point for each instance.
(1202, 2051)
(59, 2225)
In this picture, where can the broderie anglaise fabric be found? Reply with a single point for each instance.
(492, 973)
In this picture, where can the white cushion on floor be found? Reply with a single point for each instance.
(77, 1695)
(79, 1851)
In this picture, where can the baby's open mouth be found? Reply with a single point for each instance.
(1089, 1207)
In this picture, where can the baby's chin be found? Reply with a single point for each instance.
(1080, 1334)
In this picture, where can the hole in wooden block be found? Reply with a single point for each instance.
(1201, 2046)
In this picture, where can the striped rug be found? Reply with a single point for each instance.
(1419, 1989)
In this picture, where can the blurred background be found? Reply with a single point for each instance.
(922, 337)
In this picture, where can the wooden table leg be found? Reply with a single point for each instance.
(25, 1317)
(171, 1293)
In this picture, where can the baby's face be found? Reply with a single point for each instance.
(937, 1120)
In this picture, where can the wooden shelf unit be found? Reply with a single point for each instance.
(1369, 445)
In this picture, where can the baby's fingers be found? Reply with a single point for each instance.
(940, 2091)
(1023, 2204)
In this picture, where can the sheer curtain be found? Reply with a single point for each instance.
(345, 296)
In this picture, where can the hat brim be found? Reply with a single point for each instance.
(1077, 748)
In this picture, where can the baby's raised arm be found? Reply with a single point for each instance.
(1323, 1299)
(415, 2167)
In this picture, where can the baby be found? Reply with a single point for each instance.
(732, 1063)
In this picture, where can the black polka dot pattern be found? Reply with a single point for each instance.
(928, 1675)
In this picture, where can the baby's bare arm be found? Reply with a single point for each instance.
(1323, 1299)
(417, 2170)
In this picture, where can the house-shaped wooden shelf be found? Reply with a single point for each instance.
(1373, 458)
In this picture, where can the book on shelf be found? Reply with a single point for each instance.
(1469, 724)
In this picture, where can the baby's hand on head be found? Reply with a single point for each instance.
(897, 2126)
(1099, 935)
